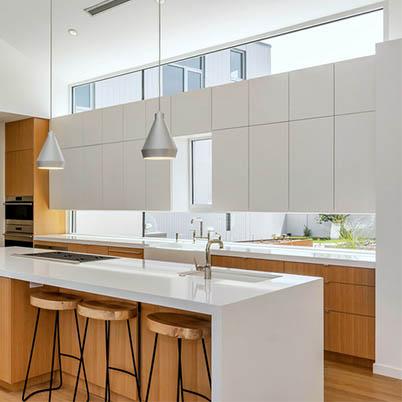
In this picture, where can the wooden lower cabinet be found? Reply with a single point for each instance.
(350, 334)
(255, 264)
(17, 320)
(126, 252)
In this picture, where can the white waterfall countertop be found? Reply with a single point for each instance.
(314, 255)
(267, 325)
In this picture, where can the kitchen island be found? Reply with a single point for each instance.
(267, 329)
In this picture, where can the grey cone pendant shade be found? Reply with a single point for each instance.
(50, 157)
(159, 143)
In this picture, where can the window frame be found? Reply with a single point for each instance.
(91, 97)
(197, 207)
(187, 69)
(243, 64)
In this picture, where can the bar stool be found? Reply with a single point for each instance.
(180, 326)
(57, 302)
(107, 311)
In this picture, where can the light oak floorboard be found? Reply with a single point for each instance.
(343, 383)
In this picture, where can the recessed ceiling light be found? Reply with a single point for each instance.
(73, 32)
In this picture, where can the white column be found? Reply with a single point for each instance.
(389, 209)
(392, 19)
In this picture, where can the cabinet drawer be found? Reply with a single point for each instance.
(357, 276)
(126, 252)
(229, 262)
(265, 265)
(350, 334)
(297, 268)
(100, 250)
(47, 245)
(347, 298)
(78, 248)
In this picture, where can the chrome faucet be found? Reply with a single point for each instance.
(199, 220)
(207, 267)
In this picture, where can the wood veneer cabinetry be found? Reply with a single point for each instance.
(24, 141)
(349, 301)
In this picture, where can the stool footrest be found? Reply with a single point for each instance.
(197, 394)
(122, 371)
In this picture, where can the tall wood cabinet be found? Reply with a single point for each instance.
(24, 141)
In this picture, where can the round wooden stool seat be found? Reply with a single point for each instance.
(107, 310)
(55, 301)
(179, 325)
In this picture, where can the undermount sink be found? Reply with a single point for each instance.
(231, 276)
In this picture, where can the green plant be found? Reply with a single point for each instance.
(339, 219)
(307, 231)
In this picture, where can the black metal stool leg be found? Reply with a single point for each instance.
(59, 352)
(180, 388)
(56, 320)
(206, 362)
(107, 344)
(82, 346)
(30, 355)
(152, 367)
(137, 380)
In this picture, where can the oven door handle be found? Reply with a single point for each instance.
(9, 203)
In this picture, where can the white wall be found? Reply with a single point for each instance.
(389, 210)
(392, 19)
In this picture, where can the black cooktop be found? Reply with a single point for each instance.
(68, 257)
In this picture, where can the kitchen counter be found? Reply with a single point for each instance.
(266, 334)
(348, 258)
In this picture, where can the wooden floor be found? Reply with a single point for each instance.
(343, 383)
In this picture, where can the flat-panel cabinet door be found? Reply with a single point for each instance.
(269, 99)
(230, 106)
(269, 167)
(158, 185)
(112, 172)
(355, 163)
(230, 170)
(134, 176)
(65, 185)
(91, 127)
(311, 165)
(312, 92)
(134, 121)
(91, 178)
(68, 130)
(112, 124)
(19, 178)
(191, 112)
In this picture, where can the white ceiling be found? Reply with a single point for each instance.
(7, 117)
(126, 36)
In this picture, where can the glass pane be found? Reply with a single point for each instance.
(202, 171)
(339, 40)
(194, 81)
(194, 62)
(118, 90)
(236, 65)
(82, 98)
(173, 80)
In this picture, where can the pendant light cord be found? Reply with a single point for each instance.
(51, 60)
(160, 47)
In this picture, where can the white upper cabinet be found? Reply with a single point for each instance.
(269, 167)
(112, 173)
(65, 185)
(158, 185)
(230, 106)
(92, 127)
(191, 112)
(311, 92)
(134, 121)
(89, 195)
(355, 163)
(112, 124)
(269, 99)
(68, 130)
(230, 170)
(355, 85)
(151, 107)
(311, 165)
(134, 176)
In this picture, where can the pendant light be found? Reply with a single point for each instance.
(159, 144)
(51, 157)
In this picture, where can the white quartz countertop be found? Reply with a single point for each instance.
(327, 256)
(147, 281)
